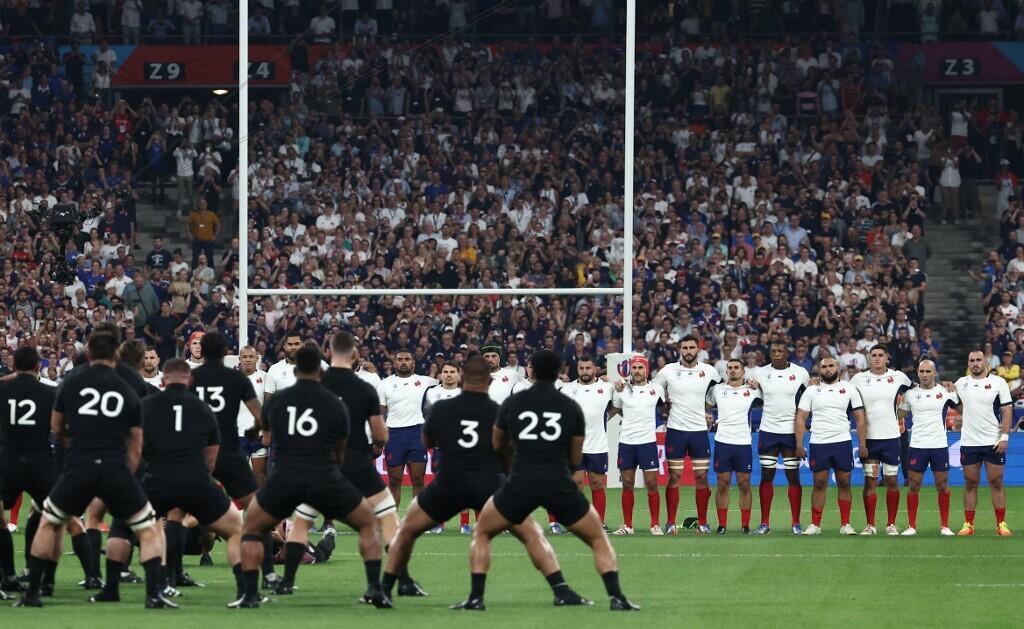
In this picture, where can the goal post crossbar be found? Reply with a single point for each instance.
(429, 292)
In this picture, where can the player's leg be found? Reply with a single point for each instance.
(676, 461)
(653, 500)
(722, 479)
(914, 479)
(588, 528)
(258, 523)
(417, 472)
(746, 499)
(844, 498)
(7, 576)
(769, 460)
(490, 523)
(386, 513)
(942, 494)
(972, 477)
(362, 519)
(94, 524)
(396, 474)
(83, 551)
(295, 547)
(229, 527)
(818, 493)
(795, 493)
(542, 555)
(994, 473)
(628, 500)
(870, 494)
(415, 523)
(119, 547)
(174, 547)
(699, 449)
(890, 461)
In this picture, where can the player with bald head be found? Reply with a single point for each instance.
(401, 404)
(927, 403)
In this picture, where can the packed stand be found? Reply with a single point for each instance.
(62, 143)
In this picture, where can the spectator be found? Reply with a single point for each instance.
(83, 25)
(322, 27)
(185, 156)
(141, 300)
(131, 22)
(160, 28)
(191, 12)
(204, 226)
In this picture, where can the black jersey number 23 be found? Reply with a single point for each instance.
(551, 430)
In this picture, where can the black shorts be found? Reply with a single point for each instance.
(442, 500)
(197, 496)
(518, 498)
(108, 480)
(32, 473)
(330, 494)
(365, 478)
(232, 470)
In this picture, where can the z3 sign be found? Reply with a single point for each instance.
(963, 67)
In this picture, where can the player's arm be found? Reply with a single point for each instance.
(799, 428)
(210, 455)
(134, 444)
(339, 450)
(212, 448)
(378, 434)
(59, 428)
(1006, 417)
(857, 406)
(427, 434)
(501, 440)
(576, 445)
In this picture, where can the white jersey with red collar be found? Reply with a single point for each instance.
(403, 398)
(781, 390)
(687, 389)
(982, 399)
(928, 412)
(639, 412)
(880, 393)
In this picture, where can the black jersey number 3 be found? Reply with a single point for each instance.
(528, 433)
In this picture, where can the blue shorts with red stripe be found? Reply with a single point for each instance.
(682, 443)
(831, 456)
(730, 457)
(405, 445)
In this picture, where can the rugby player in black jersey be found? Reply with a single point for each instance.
(469, 474)
(309, 425)
(99, 416)
(541, 431)
(367, 435)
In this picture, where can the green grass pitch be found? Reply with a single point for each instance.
(731, 581)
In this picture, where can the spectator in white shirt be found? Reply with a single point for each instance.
(184, 155)
(191, 21)
(322, 27)
(107, 55)
(131, 21)
(83, 26)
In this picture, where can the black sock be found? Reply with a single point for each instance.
(83, 550)
(30, 533)
(403, 576)
(6, 553)
(239, 581)
(611, 583)
(96, 541)
(268, 555)
(557, 582)
(252, 583)
(152, 568)
(50, 574)
(112, 586)
(387, 581)
(372, 572)
(293, 554)
(131, 555)
(173, 531)
(477, 581)
(36, 568)
(325, 548)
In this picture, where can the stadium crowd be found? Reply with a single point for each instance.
(61, 142)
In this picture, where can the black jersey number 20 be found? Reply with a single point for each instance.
(109, 404)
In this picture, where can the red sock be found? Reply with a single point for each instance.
(671, 504)
(552, 518)
(15, 509)
(870, 502)
(969, 516)
(816, 516)
(892, 505)
(464, 518)
(912, 502)
(723, 517)
(844, 511)
(600, 501)
(654, 506)
(703, 496)
(796, 496)
(944, 508)
(627, 508)
(1000, 515)
(766, 491)
(745, 518)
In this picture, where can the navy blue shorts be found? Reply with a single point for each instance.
(919, 459)
(773, 442)
(644, 456)
(682, 443)
(884, 450)
(730, 457)
(249, 445)
(834, 456)
(595, 463)
(973, 455)
(405, 445)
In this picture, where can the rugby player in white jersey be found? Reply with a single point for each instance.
(637, 402)
(880, 388)
(194, 354)
(781, 383)
(151, 369)
(734, 401)
(984, 437)
(927, 403)
(593, 396)
(502, 378)
(827, 403)
(401, 403)
(688, 384)
(252, 441)
(446, 389)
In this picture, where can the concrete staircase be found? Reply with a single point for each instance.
(164, 221)
(953, 301)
